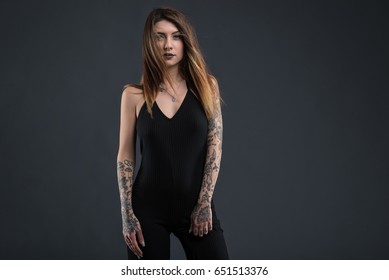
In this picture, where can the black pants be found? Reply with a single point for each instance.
(156, 233)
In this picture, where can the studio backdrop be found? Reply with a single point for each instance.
(304, 172)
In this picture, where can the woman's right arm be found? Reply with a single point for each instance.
(126, 157)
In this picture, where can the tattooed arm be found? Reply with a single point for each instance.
(202, 214)
(126, 170)
(132, 231)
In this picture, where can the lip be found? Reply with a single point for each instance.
(168, 55)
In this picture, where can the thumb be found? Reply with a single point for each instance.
(141, 238)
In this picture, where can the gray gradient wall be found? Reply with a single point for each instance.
(305, 157)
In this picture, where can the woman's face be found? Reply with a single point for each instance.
(170, 42)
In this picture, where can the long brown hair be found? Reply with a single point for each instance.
(192, 66)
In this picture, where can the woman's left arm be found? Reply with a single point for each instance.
(202, 215)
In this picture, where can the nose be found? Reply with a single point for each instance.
(168, 44)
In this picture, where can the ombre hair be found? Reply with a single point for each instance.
(192, 66)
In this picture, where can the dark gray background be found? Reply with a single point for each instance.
(305, 157)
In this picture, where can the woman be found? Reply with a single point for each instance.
(176, 113)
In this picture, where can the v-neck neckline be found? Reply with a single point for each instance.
(178, 110)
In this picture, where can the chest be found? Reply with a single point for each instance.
(188, 123)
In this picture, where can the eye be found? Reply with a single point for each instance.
(159, 37)
(177, 37)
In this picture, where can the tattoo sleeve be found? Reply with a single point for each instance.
(125, 171)
(213, 157)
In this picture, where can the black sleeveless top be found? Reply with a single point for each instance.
(173, 155)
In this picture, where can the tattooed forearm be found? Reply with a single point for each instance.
(125, 171)
(205, 198)
(213, 157)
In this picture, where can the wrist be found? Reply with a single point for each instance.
(204, 203)
(127, 212)
(205, 198)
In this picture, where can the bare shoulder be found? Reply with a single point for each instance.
(214, 81)
(132, 93)
(216, 88)
(132, 96)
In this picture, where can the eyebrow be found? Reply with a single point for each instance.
(165, 33)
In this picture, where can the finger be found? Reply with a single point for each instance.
(206, 229)
(193, 225)
(201, 229)
(137, 251)
(210, 227)
(195, 231)
(141, 238)
(129, 243)
(210, 220)
(134, 251)
(127, 239)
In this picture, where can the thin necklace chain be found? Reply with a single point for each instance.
(161, 89)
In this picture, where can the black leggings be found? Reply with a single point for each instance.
(156, 233)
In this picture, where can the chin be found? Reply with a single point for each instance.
(172, 64)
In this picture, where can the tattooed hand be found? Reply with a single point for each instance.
(201, 219)
(132, 233)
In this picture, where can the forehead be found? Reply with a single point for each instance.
(165, 27)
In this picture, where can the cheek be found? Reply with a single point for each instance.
(181, 47)
(160, 45)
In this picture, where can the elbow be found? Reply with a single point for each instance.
(122, 156)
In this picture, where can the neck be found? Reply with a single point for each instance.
(174, 75)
